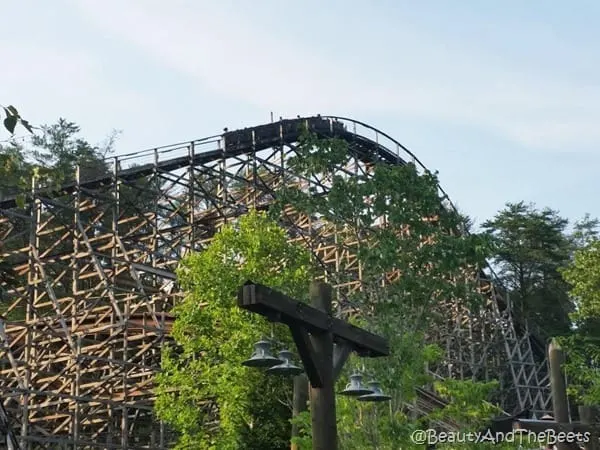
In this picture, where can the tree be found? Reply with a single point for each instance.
(52, 157)
(204, 392)
(585, 232)
(531, 246)
(413, 260)
(584, 276)
(583, 351)
(59, 149)
(14, 170)
(397, 217)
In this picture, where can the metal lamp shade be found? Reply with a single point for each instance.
(377, 394)
(355, 388)
(261, 357)
(285, 368)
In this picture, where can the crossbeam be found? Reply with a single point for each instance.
(281, 308)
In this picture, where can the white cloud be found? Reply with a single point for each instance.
(221, 49)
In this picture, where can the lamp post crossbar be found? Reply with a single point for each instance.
(279, 307)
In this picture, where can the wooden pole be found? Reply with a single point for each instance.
(587, 415)
(299, 402)
(560, 403)
(322, 400)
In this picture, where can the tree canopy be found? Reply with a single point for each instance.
(583, 349)
(531, 245)
(414, 259)
(584, 275)
(204, 392)
(51, 156)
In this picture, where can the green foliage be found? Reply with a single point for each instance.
(420, 238)
(204, 381)
(582, 349)
(468, 407)
(585, 231)
(15, 172)
(51, 158)
(12, 118)
(530, 248)
(397, 217)
(59, 149)
(304, 422)
(584, 276)
(368, 425)
(582, 368)
(469, 411)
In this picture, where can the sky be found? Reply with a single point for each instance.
(502, 98)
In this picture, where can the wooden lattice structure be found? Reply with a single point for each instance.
(85, 310)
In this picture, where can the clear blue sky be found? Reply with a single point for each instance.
(503, 98)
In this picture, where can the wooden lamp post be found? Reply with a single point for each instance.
(315, 331)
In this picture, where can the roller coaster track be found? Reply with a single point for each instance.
(87, 306)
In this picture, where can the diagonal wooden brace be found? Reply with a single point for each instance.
(311, 361)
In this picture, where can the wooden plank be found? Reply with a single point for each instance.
(362, 341)
(279, 307)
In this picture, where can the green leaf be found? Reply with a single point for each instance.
(20, 200)
(13, 111)
(10, 123)
(27, 126)
(420, 245)
(253, 247)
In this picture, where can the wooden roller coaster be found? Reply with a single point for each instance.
(86, 305)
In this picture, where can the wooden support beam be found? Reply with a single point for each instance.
(322, 399)
(560, 403)
(588, 415)
(281, 308)
(307, 353)
(299, 403)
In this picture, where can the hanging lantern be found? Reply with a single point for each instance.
(261, 357)
(285, 368)
(355, 388)
(377, 394)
